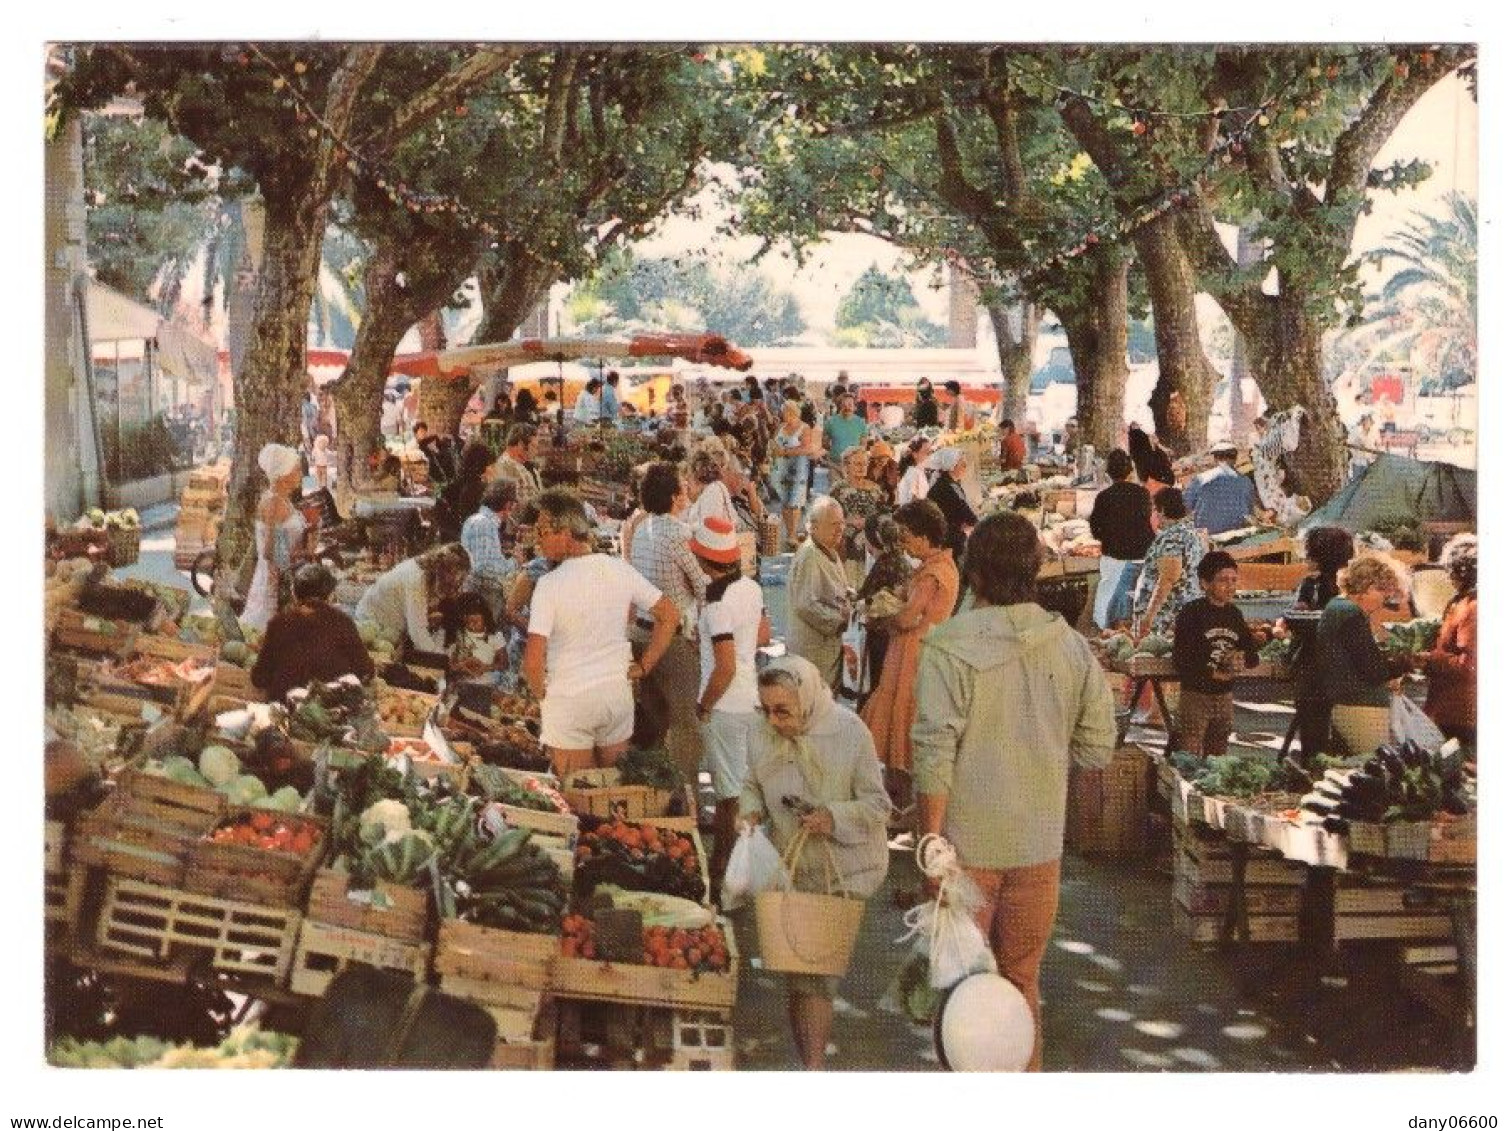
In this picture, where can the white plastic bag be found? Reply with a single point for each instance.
(945, 930)
(855, 675)
(753, 866)
(1407, 722)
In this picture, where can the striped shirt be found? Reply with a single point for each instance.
(661, 552)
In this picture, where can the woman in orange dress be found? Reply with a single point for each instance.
(934, 592)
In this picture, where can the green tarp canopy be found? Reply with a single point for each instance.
(1396, 491)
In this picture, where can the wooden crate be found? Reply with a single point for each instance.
(495, 965)
(62, 890)
(1108, 808)
(1213, 899)
(1454, 842)
(1206, 859)
(160, 647)
(1366, 909)
(551, 823)
(141, 839)
(71, 632)
(593, 980)
(168, 932)
(388, 910)
(1209, 928)
(427, 702)
(534, 1052)
(688, 827)
(325, 949)
(156, 789)
(701, 1042)
(232, 682)
(255, 875)
(605, 797)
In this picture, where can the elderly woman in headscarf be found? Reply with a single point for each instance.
(813, 770)
(278, 531)
(1452, 665)
(948, 492)
(817, 591)
(398, 603)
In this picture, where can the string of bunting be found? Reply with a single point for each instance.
(357, 162)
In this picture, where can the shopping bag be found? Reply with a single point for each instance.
(753, 866)
(945, 929)
(1408, 723)
(854, 676)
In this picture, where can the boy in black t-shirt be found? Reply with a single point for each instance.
(1210, 641)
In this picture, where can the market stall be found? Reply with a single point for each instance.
(199, 836)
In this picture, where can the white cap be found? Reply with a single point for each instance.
(945, 459)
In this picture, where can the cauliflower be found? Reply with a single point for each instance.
(384, 821)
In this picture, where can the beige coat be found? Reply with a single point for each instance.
(1006, 698)
(852, 790)
(816, 595)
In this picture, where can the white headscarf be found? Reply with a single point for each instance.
(277, 460)
(945, 459)
(814, 701)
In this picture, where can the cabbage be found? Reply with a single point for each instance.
(219, 764)
(286, 799)
(181, 770)
(244, 790)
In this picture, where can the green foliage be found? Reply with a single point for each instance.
(631, 295)
(882, 310)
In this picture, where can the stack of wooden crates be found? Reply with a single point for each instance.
(199, 512)
(1203, 888)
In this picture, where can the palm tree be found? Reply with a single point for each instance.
(1431, 302)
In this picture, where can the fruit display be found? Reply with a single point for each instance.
(515, 706)
(269, 833)
(1402, 782)
(416, 750)
(639, 857)
(401, 710)
(704, 950)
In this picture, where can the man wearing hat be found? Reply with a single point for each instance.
(730, 628)
(1222, 498)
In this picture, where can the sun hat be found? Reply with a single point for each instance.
(715, 540)
(984, 1024)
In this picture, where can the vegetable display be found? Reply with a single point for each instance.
(1227, 775)
(1402, 782)
(340, 712)
(641, 857)
(1411, 637)
(651, 767)
(506, 882)
(268, 833)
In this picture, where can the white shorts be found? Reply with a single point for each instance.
(602, 717)
(725, 751)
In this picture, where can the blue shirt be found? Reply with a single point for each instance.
(1221, 499)
(479, 538)
(610, 404)
(843, 433)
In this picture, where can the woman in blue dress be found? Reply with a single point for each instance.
(788, 472)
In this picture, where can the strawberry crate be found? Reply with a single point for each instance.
(386, 909)
(599, 792)
(325, 949)
(167, 933)
(231, 870)
(142, 838)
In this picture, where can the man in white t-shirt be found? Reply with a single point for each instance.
(577, 660)
(731, 626)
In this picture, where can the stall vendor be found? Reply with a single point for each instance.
(310, 640)
(399, 601)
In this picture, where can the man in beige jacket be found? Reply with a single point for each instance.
(1007, 695)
